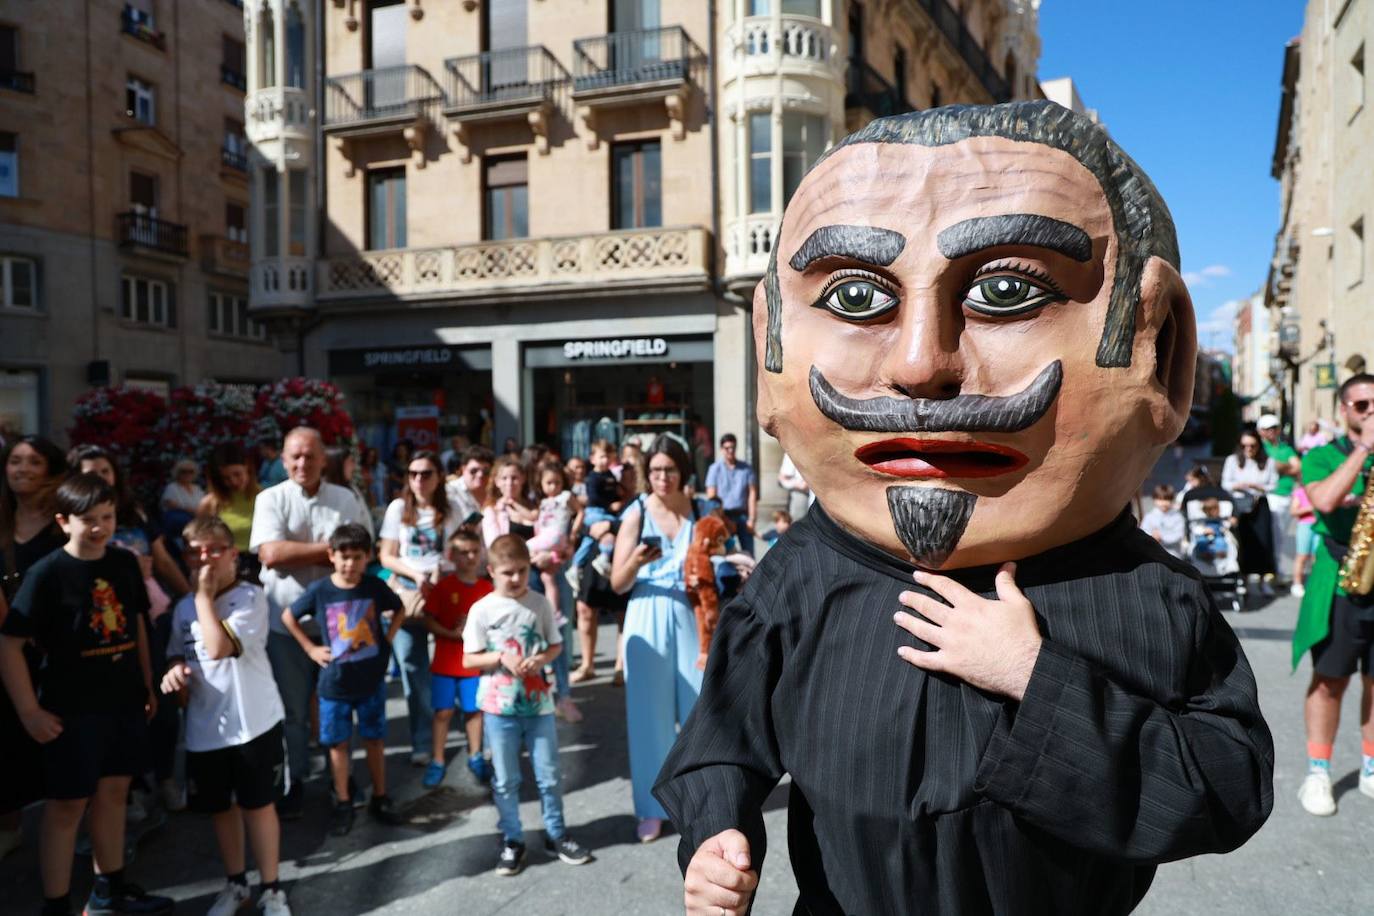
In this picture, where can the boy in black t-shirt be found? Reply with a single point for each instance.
(86, 609)
(348, 607)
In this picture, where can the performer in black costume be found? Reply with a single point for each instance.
(975, 344)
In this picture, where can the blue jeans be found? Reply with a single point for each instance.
(587, 546)
(295, 675)
(505, 735)
(411, 648)
(742, 533)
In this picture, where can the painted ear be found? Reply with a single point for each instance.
(1167, 342)
(764, 395)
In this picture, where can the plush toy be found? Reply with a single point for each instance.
(708, 540)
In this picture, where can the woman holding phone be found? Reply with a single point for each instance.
(661, 678)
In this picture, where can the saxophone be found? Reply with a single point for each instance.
(1357, 571)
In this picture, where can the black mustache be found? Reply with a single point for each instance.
(970, 413)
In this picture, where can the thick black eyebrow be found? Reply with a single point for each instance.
(980, 232)
(870, 244)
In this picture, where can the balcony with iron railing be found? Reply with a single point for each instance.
(950, 24)
(147, 234)
(16, 80)
(646, 58)
(380, 100)
(512, 84)
(866, 88)
(667, 259)
(140, 25)
(233, 158)
(220, 255)
(232, 77)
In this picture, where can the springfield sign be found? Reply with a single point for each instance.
(615, 348)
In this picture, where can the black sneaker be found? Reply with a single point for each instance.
(291, 806)
(568, 849)
(512, 861)
(341, 821)
(127, 898)
(381, 809)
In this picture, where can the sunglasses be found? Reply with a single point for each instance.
(207, 553)
(422, 475)
(1360, 406)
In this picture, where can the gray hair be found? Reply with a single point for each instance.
(1144, 228)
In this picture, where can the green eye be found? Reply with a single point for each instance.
(1004, 294)
(856, 299)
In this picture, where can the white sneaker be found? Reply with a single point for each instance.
(1315, 795)
(138, 806)
(420, 759)
(602, 564)
(1296, 590)
(232, 898)
(1367, 783)
(172, 795)
(273, 903)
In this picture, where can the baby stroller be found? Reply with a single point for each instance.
(1210, 544)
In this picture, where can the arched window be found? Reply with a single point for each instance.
(295, 47)
(267, 48)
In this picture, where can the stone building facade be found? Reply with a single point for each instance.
(124, 202)
(544, 221)
(1319, 284)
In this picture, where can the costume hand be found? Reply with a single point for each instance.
(321, 655)
(41, 725)
(177, 678)
(719, 879)
(991, 644)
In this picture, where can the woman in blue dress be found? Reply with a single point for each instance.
(661, 678)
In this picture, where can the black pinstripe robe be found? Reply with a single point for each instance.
(1139, 739)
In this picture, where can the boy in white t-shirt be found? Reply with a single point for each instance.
(235, 758)
(510, 637)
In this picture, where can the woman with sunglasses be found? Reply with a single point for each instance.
(1249, 475)
(660, 645)
(415, 532)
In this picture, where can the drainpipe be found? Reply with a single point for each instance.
(321, 188)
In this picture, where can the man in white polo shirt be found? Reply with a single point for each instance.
(292, 522)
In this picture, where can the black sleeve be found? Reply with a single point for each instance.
(20, 622)
(385, 598)
(1146, 780)
(726, 759)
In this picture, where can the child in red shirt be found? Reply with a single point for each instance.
(446, 613)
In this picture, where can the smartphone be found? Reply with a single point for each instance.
(653, 542)
(474, 518)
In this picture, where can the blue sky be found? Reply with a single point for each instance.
(1191, 91)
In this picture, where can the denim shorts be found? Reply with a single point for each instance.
(446, 692)
(336, 718)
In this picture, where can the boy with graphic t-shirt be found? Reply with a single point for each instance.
(85, 608)
(235, 759)
(348, 606)
(511, 637)
(446, 613)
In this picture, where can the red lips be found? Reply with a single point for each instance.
(938, 458)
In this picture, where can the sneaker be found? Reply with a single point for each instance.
(382, 810)
(512, 861)
(602, 564)
(139, 806)
(420, 759)
(567, 710)
(1315, 795)
(480, 767)
(127, 898)
(173, 796)
(231, 898)
(568, 849)
(434, 774)
(649, 829)
(1367, 783)
(1296, 590)
(574, 577)
(341, 820)
(273, 903)
(291, 806)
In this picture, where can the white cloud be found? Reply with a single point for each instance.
(1207, 274)
(1219, 327)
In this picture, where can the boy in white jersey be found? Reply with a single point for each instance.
(235, 763)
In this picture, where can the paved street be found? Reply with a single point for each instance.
(441, 862)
